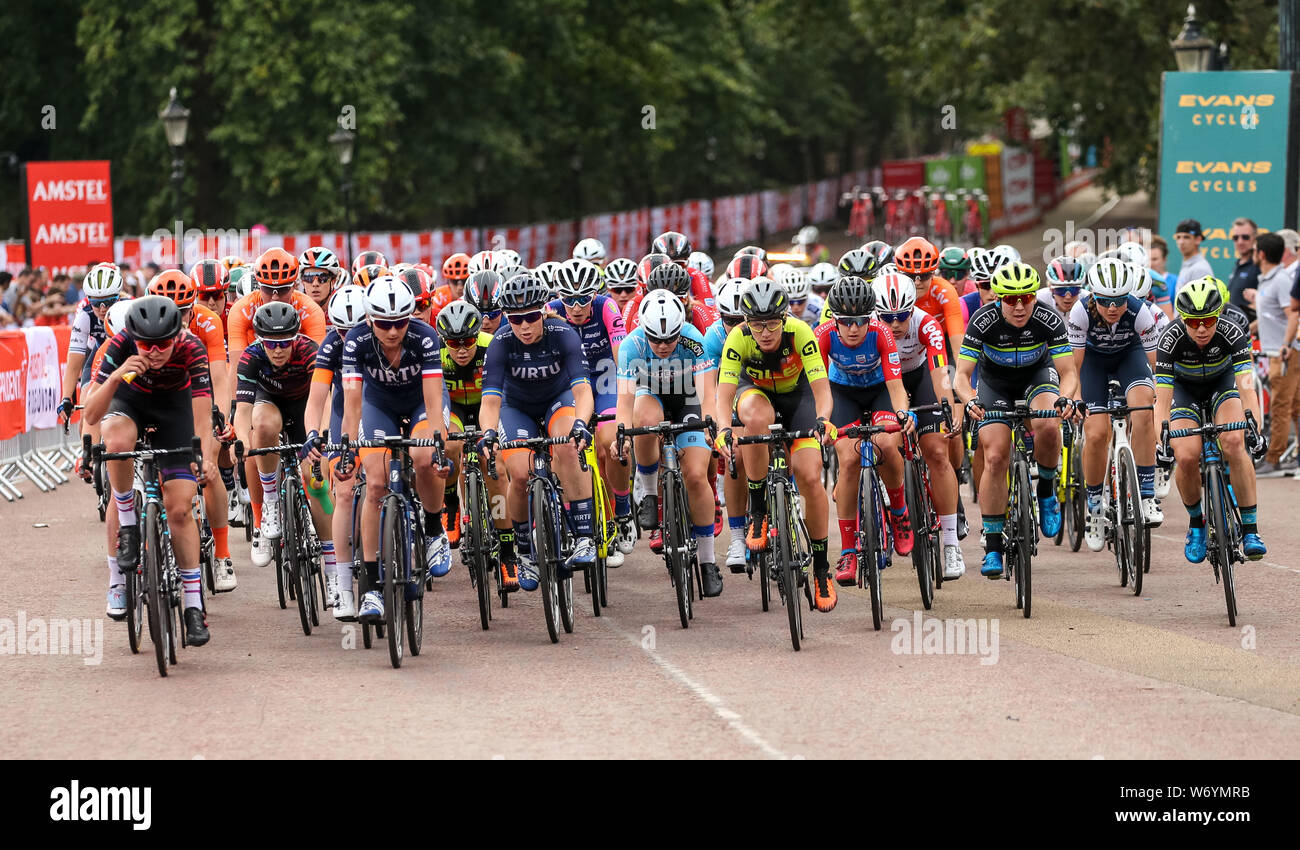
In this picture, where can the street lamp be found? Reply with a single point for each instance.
(176, 123)
(1192, 50)
(711, 155)
(344, 142)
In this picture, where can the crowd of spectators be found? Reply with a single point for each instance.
(34, 298)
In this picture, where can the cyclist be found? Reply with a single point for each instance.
(700, 262)
(882, 251)
(918, 337)
(1200, 360)
(392, 376)
(535, 381)
(676, 279)
(482, 291)
(591, 250)
(954, 267)
(320, 274)
(678, 249)
(368, 258)
(664, 374)
(799, 291)
(347, 309)
(862, 362)
(102, 287)
(1023, 353)
(1231, 312)
(770, 365)
(1109, 332)
(1066, 277)
(821, 278)
(455, 274)
(857, 263)
(170, 391)
(212, 280)
(621, 282)
(734, 489)
(981, 289)
(919, 259)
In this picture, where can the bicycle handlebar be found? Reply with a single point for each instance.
(1211, 429)
(535, 443)
(472, 436)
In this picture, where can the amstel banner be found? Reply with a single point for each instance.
(70, 210)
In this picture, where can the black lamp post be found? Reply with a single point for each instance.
(176, 123)
(344, 142)
(575, 163)
(1192, 50)
(711, 156)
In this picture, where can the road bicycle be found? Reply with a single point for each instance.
(1223, 532)
(875, 534)
(595, 579)
(927, 533)
(1126, 531)
(679, 551)
(369, 630)
(1070, 490)
(155, 582)
(480, 549)
(1020, 531)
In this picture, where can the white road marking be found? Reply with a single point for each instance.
(1099, 213)
(714, 702)
(1265, 563)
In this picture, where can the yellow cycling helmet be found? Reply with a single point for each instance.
(1199, 298)
(1015, 279)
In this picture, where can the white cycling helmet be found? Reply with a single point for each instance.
(895, 292)
(796, 283)
(823, 274)
(102, 281)
(701, 261)
(396, 269)
(1134, 253)
(620, 272)
(806, 236)
(507, 263)
(348, 307)
(576, 278)
(245, 285)
(774, 271)
(662, 315)
(115, 318)
(546, 273)
(389, 298)
(985, 263)
(482, 261)
(589, 249)
(1012, 255)
(728, 297)
(1142, 284)
(887, 268)
(1111, 278)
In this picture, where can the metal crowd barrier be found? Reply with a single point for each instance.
(42, 458)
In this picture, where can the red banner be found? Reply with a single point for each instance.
(70, 210)
(903, 174)
(13, 383)
(30, 383)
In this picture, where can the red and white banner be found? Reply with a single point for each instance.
(70, 213)
(31, 378)
(1017, 185)
(14, 255)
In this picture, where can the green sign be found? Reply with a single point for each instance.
(956, 172)
(1222, 155)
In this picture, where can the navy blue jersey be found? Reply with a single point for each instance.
(329, 368)
(403, 381)
(1004, 351)
(530, 377)
(291, 381)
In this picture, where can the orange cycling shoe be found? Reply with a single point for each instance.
(452, 526)
(509, 575)
(823, 591)
(755, 536)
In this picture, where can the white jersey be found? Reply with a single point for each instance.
(1047, 300)
(1095, 334)
(923, 338)
(87, 332)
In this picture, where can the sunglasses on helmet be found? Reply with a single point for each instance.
(391, 324)
(276, 344)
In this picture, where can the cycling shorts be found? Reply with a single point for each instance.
(920, 391)
(519, 424)
(1001, 394)
(682, 409)
(852, 402)
(463, 416)
(1131, 368)
(795, 411)
(172, 415)
(291, 413)
(1189, 398)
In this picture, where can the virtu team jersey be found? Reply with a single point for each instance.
(922, 344)
(365, 362)
(794, 363)
(88, 332)
(1005, 351)
(939, 298)
(531, 377)
(599, 334)
(291, 382)
(867, 364)
(329, 368)
(1179, 358)
(1090, 331)
(673, 375)
(186, 371)
(206, 325)
(465, 383)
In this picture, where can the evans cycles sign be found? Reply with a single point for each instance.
(70, 208)
(1223, 155)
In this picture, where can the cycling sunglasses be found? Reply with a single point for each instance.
(492, 316)
(103, 302)
(766, 327)
(984, 285)
(391, 324)
(318, 276)
(732, 321)
(1025, 298)
(525, 318)
(894, 318)
(623, 290)
(1066, 290)
(853, 321)
(1110, 302)
(672, 340)
(275, 290)
(1200, 321)
(577, 300)
(144, 345)
(469, 342)
(276, 344)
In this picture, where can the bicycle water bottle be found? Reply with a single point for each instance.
(316, 487)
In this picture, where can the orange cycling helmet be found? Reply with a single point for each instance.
(232, 262)
(917, 256)
(209, 277)
(176, 285)
(368, 274)
(276, 267)
(456, 268)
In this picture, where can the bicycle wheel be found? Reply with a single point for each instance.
(869, 515)
(296, 570)
(160, 612)
(765, 578)
(310, 554)
(207, 555)
(392, 564)
(1078, 505)
(675, 543)
(1062, 496)
(413, 593)
(1131, 522)
(544, 553)
(476, 545)
(248, 525)
(785, 567)
(1024, 555)
(565, 587)
(1221, 539)
(918, 508)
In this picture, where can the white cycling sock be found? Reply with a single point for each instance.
(948, 522)
(115, 576)
(704, 546)
(125, 507)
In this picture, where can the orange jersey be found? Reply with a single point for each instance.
(206, 325)
(940, 299)
(442, 296)
(242, 335)
(99, 358)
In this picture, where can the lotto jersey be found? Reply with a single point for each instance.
(923, 342)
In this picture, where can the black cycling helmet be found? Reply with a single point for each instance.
(882, 251)
(674, 244)
(459, 320)
(764, 298)
(671, 277)
(859, 263)
(523, 292)
(153, 318)
(483, 291)
(276, 318)
(851, 296)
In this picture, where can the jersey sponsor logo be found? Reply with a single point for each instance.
(809, 348)
(893, 357)
(536, 373)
